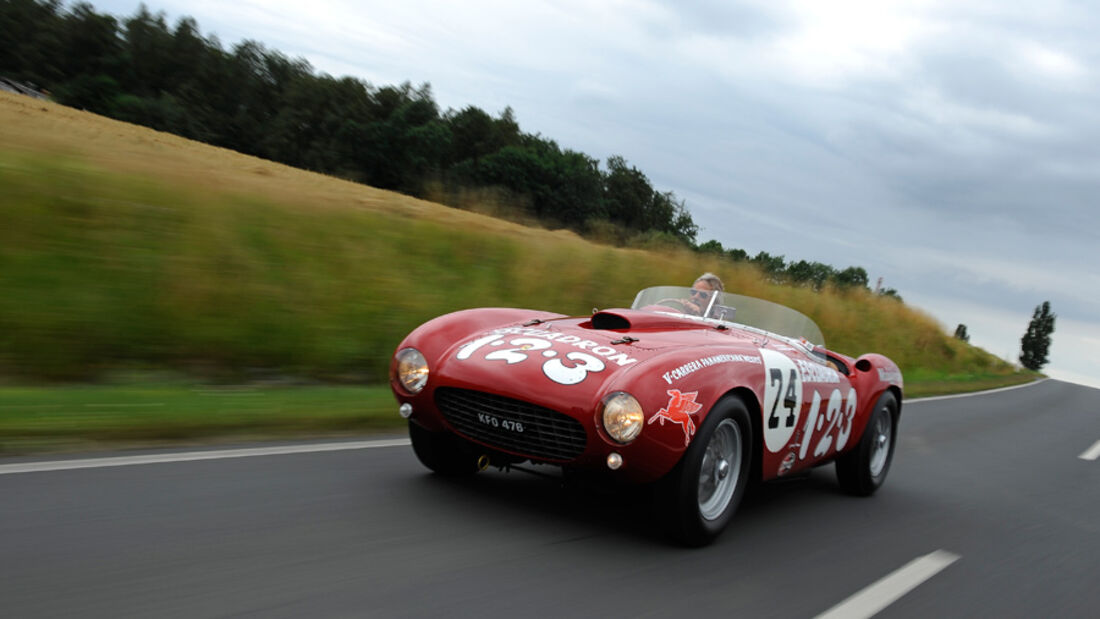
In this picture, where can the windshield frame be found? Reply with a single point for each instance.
(732, 310)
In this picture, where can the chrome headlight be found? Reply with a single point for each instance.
(622, 416)
(412, 370)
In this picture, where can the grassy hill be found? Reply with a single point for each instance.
(124, 249)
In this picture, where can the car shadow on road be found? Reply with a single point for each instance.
(597, 509)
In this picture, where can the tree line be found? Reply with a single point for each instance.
(258, 101)
(799, 273)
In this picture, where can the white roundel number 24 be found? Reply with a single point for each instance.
(782, 399)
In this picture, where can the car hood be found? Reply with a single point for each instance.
(571, 362)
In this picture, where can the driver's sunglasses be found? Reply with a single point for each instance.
(700, 294)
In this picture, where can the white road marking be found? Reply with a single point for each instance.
(1091, 453)
(973, 393)
(124, 405)
(888, 589)
(189, 456)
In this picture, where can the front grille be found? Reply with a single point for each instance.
(512, 425)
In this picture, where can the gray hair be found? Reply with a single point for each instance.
(711, 280)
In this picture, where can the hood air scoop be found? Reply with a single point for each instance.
(620, 320)
(610, 321)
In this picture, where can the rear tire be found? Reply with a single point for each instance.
(442, 452)
(863, 470)
(700, 495)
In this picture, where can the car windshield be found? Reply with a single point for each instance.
(730, 308)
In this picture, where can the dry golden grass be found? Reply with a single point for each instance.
(261, 262)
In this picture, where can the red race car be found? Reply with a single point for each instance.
(699, 392)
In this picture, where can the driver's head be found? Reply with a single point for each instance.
(701, 291)
(708, 282)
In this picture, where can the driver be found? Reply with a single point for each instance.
(701, 291)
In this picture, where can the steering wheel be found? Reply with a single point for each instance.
(680, 305)
(676, 304)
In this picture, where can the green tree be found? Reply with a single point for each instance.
(32, 45)
(627, 192)
(671, 215)
(147, 48)
(577, 193)
(1035, 345)
(90, 92)
(891, 293)
(774, 266)
(813, 273)
(711, 247)
(851, 277)
(737, 255)
(476, 134)
(90, 44)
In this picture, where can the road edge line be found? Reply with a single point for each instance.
(192, 456)
(974, 393)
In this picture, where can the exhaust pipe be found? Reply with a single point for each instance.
(482, 462)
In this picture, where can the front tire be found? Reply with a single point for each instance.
(700, 495)
(863, 470)
(442, 452)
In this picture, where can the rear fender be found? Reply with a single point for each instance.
(872, 375)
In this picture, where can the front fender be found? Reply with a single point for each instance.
(677, 390)
(441, 334)
(434, 337)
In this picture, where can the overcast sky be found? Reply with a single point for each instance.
(951, 148)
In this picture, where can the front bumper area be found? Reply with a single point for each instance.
(511, 425)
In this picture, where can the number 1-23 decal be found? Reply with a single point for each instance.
(576, 367)
(830, 425)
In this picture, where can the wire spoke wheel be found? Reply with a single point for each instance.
(862, 470)
(880, 448)
(720, 470)
(701, 493)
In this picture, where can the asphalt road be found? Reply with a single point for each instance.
(995, 490)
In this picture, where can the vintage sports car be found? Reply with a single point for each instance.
(697, 392)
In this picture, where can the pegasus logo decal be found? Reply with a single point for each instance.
(679, 410)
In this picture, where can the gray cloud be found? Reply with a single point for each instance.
(722, 19)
